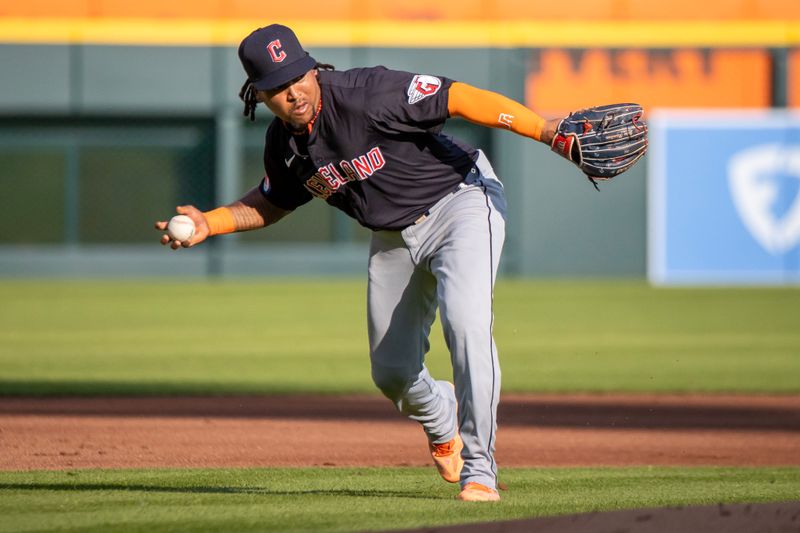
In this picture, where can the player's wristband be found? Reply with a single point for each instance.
(220, 221)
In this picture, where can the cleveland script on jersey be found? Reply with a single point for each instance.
(375, 152)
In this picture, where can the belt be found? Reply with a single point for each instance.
(422, 217)
(427, 213)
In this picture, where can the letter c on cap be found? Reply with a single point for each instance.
(275, 52)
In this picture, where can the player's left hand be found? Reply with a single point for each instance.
(602, 141)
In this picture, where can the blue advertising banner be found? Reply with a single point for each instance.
(724, 198)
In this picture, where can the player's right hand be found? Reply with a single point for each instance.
(201, 230)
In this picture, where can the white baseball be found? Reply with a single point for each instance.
(180, 228)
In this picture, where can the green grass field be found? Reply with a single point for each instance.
(352, 499)
(151, 337)
(255, 336)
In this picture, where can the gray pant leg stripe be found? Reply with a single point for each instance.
(491, 327)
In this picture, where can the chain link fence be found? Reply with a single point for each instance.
(100, 181)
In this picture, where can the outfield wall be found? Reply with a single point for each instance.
(106, 150)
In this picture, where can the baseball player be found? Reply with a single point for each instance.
(368, 141)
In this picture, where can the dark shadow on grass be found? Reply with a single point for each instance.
(720, 518)
(92, 487)
(645, 412)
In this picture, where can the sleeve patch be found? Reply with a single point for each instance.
(423, 86)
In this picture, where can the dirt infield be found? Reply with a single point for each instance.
(540, 430)
(65, 433)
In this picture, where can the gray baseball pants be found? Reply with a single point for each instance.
(449, 259)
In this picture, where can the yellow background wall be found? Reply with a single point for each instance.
(478, 10)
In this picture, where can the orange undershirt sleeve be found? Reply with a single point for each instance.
(493, 110)
(220, 221)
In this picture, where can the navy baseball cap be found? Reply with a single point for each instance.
(272, 56)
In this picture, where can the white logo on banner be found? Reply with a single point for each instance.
(756, 177)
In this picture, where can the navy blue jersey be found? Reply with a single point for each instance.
(375, 150)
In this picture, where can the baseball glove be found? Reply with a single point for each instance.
(602, 141)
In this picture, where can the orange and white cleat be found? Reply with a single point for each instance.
(447, 458)
(475, 492)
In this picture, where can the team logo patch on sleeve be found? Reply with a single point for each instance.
(423, 86)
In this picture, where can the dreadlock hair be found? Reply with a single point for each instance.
(247, 93)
